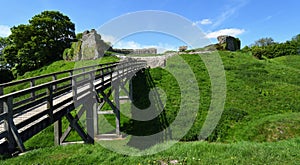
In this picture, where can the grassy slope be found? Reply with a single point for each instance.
(284, 152)
(265, 91)
(261, 105)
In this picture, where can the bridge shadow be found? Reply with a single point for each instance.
(148, 124)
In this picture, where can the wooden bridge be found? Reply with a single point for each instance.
(45, 100)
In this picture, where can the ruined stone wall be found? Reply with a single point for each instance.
(229, 42)
(136, 51)
(91, 46)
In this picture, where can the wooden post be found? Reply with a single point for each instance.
(71, 74)
(54, 86)
(130, 90)
(90, 107)
(1, 101)
(74, 88)
(57, 132)
(32, 84)
(50, 102)
(117, 111)
(9, 126)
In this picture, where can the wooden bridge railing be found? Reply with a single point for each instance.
(26, 112)
(6, 88)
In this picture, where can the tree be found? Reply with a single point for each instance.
(3, 44)
(296, 38)
(263, 42)
(6, 74)
(40, 42)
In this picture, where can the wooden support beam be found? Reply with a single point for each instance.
(69, 129)
(57, 132)
(106, 99)
(65, 134)
(76, 127)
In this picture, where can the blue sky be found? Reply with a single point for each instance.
(247, 19)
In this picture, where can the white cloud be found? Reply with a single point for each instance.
(4, 31)
(161, 47)
(232, 32)
(122, 44)
(108, 38)
(128, 45)
(202, 22)
(205, 22)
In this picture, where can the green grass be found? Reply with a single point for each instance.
(259, 124)
(284, 152)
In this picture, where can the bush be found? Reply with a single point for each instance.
(275, 49)
(68, 54)
(6, 76)
(258, 52)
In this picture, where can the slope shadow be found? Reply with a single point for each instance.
(148, 125)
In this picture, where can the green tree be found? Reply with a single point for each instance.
(6, 74)
(3, 44)
(263, 42)
(40, 42)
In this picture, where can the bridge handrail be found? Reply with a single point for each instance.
(55, 82)
(71, 71)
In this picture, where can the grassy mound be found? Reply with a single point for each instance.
(272, 128)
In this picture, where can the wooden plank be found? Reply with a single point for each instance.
(29, 105)
(31, 119)
(107, 112)
(65, 135)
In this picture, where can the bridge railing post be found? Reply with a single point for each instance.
(32, 84)
(1, 101)
(90, 110)
(74, 88)
(9, 126)
(50, 101)
(117, 103)
(54, 77)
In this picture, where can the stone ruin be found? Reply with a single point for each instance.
(229, 42)
(136, 51)
(92, 46)
(182, 48)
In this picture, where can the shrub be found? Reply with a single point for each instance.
(258, 52)
(6, 76)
